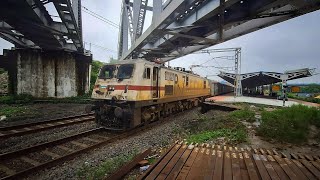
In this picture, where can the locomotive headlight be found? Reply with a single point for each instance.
(113, 88)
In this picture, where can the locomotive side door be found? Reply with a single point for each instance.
(155, 82)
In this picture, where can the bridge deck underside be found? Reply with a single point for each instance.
(28, 24)
(188, 26)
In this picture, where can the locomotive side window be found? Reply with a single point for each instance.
(107, 72)
(147, 74)
(187, 81)
(125, 71)
(204, 84)
(175, 78)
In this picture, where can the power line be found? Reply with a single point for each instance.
(86, 10)
(101, 47)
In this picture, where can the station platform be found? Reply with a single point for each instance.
(229, 98)
(183, 161)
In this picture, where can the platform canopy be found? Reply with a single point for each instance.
(251, 80)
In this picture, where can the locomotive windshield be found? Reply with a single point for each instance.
(125, 71)
(107, 72)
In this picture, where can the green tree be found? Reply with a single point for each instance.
(312, 88)
(95, 67)
(111, 60)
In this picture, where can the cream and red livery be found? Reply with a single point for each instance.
(131, 93)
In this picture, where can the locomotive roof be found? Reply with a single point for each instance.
(135, 61)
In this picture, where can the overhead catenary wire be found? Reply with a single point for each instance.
(92, 13)
(99, 46)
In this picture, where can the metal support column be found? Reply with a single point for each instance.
(237, 82)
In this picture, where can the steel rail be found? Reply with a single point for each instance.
(60, 159)
(28, 128)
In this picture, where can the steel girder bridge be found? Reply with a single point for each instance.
(180, 27)
(28, 24)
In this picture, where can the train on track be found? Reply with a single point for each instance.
(131, 93)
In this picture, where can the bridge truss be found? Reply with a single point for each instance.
(180, 27)
(28, 24)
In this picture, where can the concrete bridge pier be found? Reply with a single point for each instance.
(47, 73)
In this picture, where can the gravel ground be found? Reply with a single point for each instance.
(44, 111)
(16, 143)
(156, 138)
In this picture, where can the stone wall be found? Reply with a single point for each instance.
(3, 83)
(50, 73)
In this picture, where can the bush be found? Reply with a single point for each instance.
(289, 124)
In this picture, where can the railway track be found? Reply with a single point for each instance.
(23, 162)
(22, 129)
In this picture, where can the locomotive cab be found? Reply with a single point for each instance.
(117, 90)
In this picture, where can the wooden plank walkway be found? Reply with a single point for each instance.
(189, 161)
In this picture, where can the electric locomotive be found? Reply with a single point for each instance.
(130, 93)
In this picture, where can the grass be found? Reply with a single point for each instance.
(16, 112)
(243, 114)
(205, 129)
(105, 168)
(289, 124)
(232, 135)
(18, 99)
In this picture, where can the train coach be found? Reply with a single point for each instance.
(218, 88)
(130, 93)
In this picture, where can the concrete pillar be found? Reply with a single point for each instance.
(48, 73)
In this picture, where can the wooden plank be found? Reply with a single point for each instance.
(177, 168)
(250, 167)
(79, 144)
(150, 169)
(187, 166)
(269, 152)
(163, 163)
(311, 168)
(309, 157)
(243, 168)
(65, 148)
(316, 164)
(295, 169)
(277, 168)
(286, 168)
(7, 170)
(261, 168)
(92, 140)
(195, 169)
(30, 161)
(51, 154)
(294, 156)
(227, 167)
(272, 173)
(236, 172)
(218, 166)
(167, 169)
(304, 170)
(209, 170)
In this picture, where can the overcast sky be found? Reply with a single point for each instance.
(293, 44)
